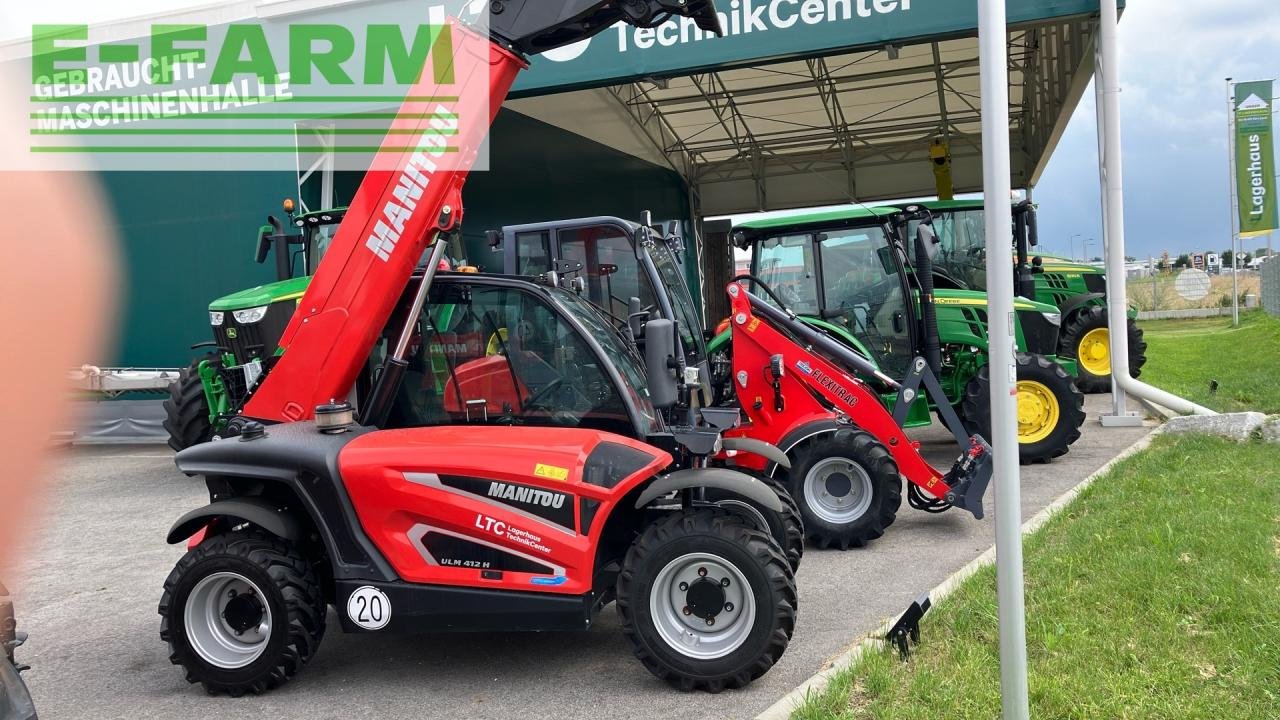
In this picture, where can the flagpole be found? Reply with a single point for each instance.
(1232, 202)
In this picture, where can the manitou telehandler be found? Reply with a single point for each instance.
(1077, 290)
(500, 526)
(854, 274)
(846, 461)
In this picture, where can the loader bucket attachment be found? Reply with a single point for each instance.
(969, 477)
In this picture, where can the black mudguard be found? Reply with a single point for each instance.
(719, 478)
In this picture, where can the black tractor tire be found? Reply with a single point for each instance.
(733, 543)
(976, 407)
(292, 594)
(869, 467)
(186, 410)
(1080, 325)
(786, 527)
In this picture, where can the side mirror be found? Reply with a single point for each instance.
(494, 238)
(1033, 231)
(739, 240)
(659, 349)
(636, 317)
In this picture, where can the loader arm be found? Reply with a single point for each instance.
(407, 200)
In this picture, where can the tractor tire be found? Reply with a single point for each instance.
(186, 410)
(1045, 431)
(786, 527)
(707, 601)
(1084, 339)
(848, 488)
(204, 621)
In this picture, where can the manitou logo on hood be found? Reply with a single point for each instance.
(526, 495)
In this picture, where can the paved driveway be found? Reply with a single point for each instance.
(89, 581)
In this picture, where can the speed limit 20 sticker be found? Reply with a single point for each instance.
(369, 608)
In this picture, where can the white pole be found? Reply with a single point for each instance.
(996, 183)
(1231, 200)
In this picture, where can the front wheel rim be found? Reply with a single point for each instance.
(1038, 411)
(227, 620)
(838, 490)
(702, 606)
(1094, 351)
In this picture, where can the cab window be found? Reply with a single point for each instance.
(486, 355)
(786, 265)
(533, 253)
(864, 292)
(609, 265)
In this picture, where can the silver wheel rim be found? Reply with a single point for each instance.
(681, 615)
(221, 642)
(838, 490)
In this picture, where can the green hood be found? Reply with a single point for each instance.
(975, 298)
(290, 289)
(1062, 265)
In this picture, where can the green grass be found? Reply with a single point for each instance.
(1183, 356)
(1154, 595)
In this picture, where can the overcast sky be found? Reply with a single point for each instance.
(1175, 56)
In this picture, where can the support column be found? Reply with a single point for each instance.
(996, 183)
(1106, 80)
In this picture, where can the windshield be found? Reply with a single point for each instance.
(321, 237)
(616, 352)
(962, 247)
(786, 265)
(681, 301)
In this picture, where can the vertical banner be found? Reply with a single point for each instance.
(1255, 159)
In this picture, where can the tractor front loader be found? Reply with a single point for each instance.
(521, 519)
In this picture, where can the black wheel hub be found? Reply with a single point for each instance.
(839, 484)
(244, 611)
(705, 598)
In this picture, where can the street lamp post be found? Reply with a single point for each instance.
(1071, 245)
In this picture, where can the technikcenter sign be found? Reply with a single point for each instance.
(758, 31)
(758, 16)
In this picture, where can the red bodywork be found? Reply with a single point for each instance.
(805, 373)
(399, 482)
(489, 378)
(352, 295)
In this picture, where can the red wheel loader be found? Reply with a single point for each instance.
(514, 526)
(796, 386)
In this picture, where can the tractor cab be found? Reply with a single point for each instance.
(297, 254)
(632, 272)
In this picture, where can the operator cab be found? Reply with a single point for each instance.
(631, 272)
(846, 274)
(297, 254)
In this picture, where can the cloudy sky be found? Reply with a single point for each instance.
(1174, 59)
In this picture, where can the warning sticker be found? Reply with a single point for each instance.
(551, 471)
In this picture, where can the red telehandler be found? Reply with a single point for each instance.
(462, 527)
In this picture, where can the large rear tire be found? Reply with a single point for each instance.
(242, 613)
(186, 410)
(1086, 339)
(1050, 408)
(706, 601)
(786, 527)
(848, 488)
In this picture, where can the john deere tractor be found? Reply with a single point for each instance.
(1079, 291)
(247, 326)
(861, 275)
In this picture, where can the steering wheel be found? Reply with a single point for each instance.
(496, 342)
(541, 394)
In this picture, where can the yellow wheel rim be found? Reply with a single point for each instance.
(1038, 411)
(496, 341)
(1094, 352)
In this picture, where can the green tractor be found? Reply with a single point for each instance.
(856, 274)
(1079, 291)
(247, 327)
